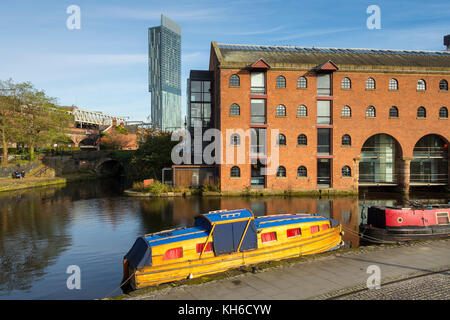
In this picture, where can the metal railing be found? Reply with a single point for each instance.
(258, 90)
(441, 178)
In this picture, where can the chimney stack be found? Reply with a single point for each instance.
(114, 122)
(447, 42)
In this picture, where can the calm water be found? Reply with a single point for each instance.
(91, 225)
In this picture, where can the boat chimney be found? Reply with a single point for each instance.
(447, 42)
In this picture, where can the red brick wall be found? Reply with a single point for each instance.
(407, 129)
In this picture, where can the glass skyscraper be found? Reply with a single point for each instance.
(165, 74)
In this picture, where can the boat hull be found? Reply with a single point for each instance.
(371, 234)
(153, 275)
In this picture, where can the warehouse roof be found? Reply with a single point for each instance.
(244, 55)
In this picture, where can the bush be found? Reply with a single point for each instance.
(157, 188)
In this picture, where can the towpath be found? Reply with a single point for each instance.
(404, 273)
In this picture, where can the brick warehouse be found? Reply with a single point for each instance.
(346, 118)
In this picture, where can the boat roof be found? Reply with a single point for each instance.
(278, 220)
(225, 216)
(175, 235)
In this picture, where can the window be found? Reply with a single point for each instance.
(421, 112)
(235, 172)
(393, 84)
(314, 229)
(443, 85)
(302, 83)
(302, 111)
(235, 110)
(174, 253)
(268, 237)
(200, 247)
(346, 140)
(291, 233)
(281, 111)
(421, 85)
(258, 141)
(258, 83)
(346, 112)
(393, 112)
(235, 139)
(323, 140)
(324, 111)
(281, 172)
(302, 171)
(324, 227)
(281, 140)
(258, 111)
(346, 83)
(442, 218)
(346, 171)
(323, 84)
(370, 84)
(280, 82)
(234, 80)
(302, 140)
(443, 113)
(370, 112)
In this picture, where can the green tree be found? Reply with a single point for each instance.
(153, 154)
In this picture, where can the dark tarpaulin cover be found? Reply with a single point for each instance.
(227, 236)
(140, 255)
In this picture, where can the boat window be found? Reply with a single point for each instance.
(324, 227)
(314, 229)
(294, 232)
(269, 236)
(442, 218)
(173, 253)
(201, 245)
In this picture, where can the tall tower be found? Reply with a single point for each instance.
(164, 51)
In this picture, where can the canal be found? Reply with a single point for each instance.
(92, 225)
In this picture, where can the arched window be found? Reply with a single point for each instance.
(346, 112)
(235, 139)
(302, 83)
(281, 172)
(393, 112)
(281, 111)
(370, 84)
(302, 111)
(346, 140)
(346, 83)
(393, 84)
(234, 80)
(302, 140)
(443, 113)
(280, 82)
(370, 112)
(443, 85)
(421, 112)
(346, 171)
(421, 85)
(281, 140)
(302, 172)
(235, 172)
(235, 110)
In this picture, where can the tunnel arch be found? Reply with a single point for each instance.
(110, 168)
(429, 164)
(381, 160)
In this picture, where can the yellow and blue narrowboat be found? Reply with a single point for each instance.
(226, 239)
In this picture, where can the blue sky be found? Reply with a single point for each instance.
(103, 66)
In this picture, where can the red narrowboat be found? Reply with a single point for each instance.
(405, 224)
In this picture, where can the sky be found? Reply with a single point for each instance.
(103, 66)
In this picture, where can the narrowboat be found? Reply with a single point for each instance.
(406, 223)
(223, 240)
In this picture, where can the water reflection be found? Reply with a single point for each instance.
(91, 224)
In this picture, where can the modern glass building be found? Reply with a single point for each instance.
(165, 74)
